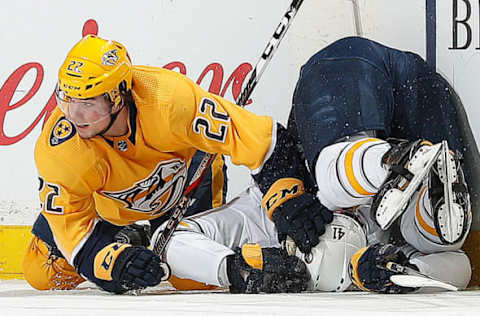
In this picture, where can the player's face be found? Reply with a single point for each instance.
(90, 116)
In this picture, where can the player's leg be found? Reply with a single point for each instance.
(452, 267)
(44, 268)
(424, 224)
(235, 245)
(363, 170)
(350, 172)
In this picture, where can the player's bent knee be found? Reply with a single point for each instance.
(45, 271)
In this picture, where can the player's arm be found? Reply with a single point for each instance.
(44, 266)
(216, 125)
(89, 245)
(86, 242)
(202, 120)
(287, 200)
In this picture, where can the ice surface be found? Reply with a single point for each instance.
(17, 298)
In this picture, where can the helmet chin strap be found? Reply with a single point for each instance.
(113, 118)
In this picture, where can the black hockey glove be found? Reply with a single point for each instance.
(302, 218)
(137, 268)
(253, 269)
(135, 235)
(368, 268)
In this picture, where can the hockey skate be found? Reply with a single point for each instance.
(451, 206)
(412, 163)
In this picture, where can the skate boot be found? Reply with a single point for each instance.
(409, 163)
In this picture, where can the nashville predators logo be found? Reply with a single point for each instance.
(63, 130)
(110, 58)
(157, 193)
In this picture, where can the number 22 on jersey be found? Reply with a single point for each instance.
(207, 126)
(48, 193)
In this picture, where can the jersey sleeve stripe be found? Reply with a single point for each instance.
(78, 247)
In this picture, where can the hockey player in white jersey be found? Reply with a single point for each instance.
(400, 202)
(236, 245)
(380, 132)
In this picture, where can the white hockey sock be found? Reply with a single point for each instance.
(349, 173)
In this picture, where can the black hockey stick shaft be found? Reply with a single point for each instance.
(268, 52)
(254, 77)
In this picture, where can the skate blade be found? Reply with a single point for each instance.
(420, 281)
(451, 221)
(450, 215)
(395, 201)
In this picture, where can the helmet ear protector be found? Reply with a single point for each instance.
(115, 96)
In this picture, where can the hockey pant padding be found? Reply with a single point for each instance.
(452, 267)
(198, 248)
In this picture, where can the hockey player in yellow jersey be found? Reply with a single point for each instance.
(117, 150)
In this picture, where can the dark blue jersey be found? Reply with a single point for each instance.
(356, 85)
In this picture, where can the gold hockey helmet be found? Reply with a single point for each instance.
(93, 67)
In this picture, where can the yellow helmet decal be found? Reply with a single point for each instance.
(95, 66)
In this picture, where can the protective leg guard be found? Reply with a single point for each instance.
(253, 269)
(410, 164)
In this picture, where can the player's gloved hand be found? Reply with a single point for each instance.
(129, 268)
(302, 218)
(253, 269)
(368, 268)
(138, 268)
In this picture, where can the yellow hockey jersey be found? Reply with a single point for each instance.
(141, 175)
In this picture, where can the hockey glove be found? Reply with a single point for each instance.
(368, 268)
(135, 235)
(303, 218)
(253, 269)
(295, 213)
(131, 268)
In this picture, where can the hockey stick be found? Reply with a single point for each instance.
(255, 74)
(409, 277)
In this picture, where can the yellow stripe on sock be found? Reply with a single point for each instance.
(349, 167)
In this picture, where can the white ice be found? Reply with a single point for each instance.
(17, 298)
